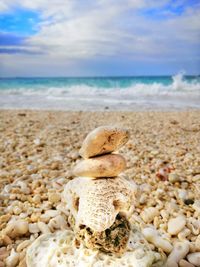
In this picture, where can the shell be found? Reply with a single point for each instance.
(96, 203)
(102, 140)
(104, 166)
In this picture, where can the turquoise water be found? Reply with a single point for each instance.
(99, 92)
(96, 82)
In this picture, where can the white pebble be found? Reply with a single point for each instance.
(196, 206)
(153, 237)
(149, 214)
(33, 228)
(179, 251)
(23, 245)
(194, 258)
(13, 259)
(43, 227)
(37, 141)
(175, 225)
(52, 213)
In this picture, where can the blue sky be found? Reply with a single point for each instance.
(99, 37)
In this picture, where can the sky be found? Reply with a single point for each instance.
(99, 37)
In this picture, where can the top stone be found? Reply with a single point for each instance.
(103, 140)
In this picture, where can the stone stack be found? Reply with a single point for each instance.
(99, 204)
(99, 199)
(96, 150)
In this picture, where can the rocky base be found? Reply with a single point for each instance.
(113, 239)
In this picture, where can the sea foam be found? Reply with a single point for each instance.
(90, 93)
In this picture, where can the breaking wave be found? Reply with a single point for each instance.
(107, 90)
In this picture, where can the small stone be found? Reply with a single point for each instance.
(196, 178)
(149, 214)
(194, 258)
(103, 140)
(189, 201)
(196, 206)
(13, 259)
(36, 199)
(55, 166)
(175, 225)
(53, 197)
(104, 166)
(17, 210)
(184, 263)
(180, 250)
(173, 177)
(37, 141)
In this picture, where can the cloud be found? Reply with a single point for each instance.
(133, 30)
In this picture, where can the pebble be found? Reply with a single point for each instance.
(33, 228)
(36, 199)
(196, 178)
(184, 263)
(189, 201)
(153, 236)
(194, 258)
(54, 197)
(43, 227)
(173, 177)
(179, 251)
(175, 225)
(104, 166)
(103, 140)
(149, 214)
(23, 245)
(197, 243)
(13, 259)
(196, 206)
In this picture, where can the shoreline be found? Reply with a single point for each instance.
(38, 149)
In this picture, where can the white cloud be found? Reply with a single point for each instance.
(72, 29)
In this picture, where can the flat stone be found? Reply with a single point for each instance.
(104, 166)
(103, 140)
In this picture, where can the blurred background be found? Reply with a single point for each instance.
(127, 54)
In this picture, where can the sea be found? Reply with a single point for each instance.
(178, 92)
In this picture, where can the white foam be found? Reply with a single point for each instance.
(179, 94)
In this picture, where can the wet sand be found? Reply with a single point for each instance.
(39, 148)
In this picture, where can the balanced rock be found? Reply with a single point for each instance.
(103, 166)
(103, 140)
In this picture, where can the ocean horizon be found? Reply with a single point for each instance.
(176, 92)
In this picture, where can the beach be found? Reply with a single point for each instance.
(39, 149)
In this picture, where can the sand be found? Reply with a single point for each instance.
(39, 148)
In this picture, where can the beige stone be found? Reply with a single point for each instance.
(104, 166)
(103, 140)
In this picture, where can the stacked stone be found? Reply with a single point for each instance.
(99, 198)
(96, 150)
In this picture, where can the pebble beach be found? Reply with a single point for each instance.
(38, 150)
